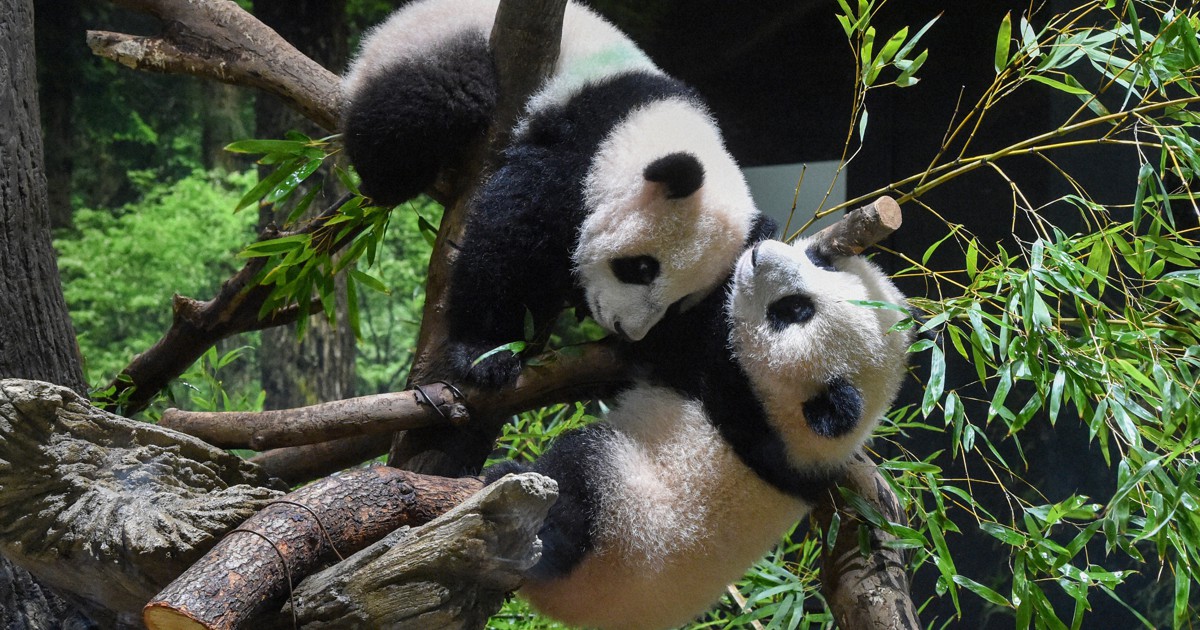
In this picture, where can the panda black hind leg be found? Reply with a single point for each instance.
(404, 122)
(577, 462)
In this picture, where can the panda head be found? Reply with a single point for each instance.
(667, 214)
(825, 366)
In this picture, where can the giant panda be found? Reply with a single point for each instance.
(616, 194)
(699, 467)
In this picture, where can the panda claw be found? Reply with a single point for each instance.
(493, 372)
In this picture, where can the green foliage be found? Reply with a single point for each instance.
(204, 388)
(390, 320)
(1100, 327)
(303, 261)
(119, 268)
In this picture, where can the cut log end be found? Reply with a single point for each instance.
(860, 228)
(159, 616)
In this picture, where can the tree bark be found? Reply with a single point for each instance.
(253, 568)
(108, 510)
(872, 589)
(36, 337)
(319, 367)
(59, 35)
(450, 574)
(218, 40)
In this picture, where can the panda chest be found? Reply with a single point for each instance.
(677, 493)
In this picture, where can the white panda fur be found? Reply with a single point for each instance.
(575, 191)
(702, 464)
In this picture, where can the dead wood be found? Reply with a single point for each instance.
(107, 510)
(252, 568)
(871, 590)
(563, 376)
(217, 39)
(860, 228)
(450, 574)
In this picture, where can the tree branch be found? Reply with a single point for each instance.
(587, 372)
(196, 325)
(216, 39)
(872, 590)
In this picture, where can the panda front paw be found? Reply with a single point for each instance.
(492, 372)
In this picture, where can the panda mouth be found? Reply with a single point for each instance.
(754, 254)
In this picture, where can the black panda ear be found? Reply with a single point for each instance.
(835, 411)
(681, 172)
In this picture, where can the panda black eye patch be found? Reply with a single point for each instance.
(635, 269)
(789, 310)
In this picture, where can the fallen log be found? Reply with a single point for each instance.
(253, 568)
(452, 573)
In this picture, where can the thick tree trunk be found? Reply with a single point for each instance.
(320, 367)
(60, 47)
(36, 337)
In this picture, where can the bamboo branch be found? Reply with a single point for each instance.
(216, 39)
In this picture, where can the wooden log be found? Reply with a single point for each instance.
(860, 228)
(451, 574)
(585, 371)
(107, 510)
(872, 590)
(254, 566)
(322, 422)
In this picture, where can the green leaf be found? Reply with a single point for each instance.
(982, 591)
(515, 347)
(1059, 85)
(275, 246)
(266, 146)
(936, 382)
(370, 281)
(1003, 41)
(892, 46)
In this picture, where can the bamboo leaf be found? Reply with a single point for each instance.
(1003, 42)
